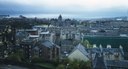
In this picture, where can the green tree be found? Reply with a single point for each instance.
(61, 66)
(35, 59)
(56, 60)
(73, 64)
(79, 64)
(82, 64)
(14, 57)
(65, 61)
(88, 65)
(87, 44)
(21, 53)
(74, 43)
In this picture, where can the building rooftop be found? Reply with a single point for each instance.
(81, 48)
(117, 63)
(99, 62)
(46, 43)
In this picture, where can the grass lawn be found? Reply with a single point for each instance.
(48, 65)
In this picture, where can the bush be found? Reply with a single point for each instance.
(14, 57)
(61, 66)
(65, 61)
(35, 59)
(56, 61)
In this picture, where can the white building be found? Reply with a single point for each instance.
(79, 53)
(47, 36)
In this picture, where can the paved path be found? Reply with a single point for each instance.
(11, 67)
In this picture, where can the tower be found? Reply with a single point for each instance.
(60, 18)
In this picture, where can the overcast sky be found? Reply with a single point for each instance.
(67, 8)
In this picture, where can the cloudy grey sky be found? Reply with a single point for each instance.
(68, 8)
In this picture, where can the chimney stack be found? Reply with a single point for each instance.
(108, 46)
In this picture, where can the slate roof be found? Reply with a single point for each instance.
(99, 62)
(72, 32)
(81, 48)
(57, 46)
(21, 35)
(27, 42)
(106, 51)
(126, 54)
(112, 50)
(93, 50)
(46, 43)
(67, 42)
(117, 63)
(36, 48)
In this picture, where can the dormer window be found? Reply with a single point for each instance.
(116, 55)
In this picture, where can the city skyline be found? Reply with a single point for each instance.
(67, 8)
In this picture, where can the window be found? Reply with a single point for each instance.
(40, 50)
(29, 46)
(43, 35)
(67, 36)
(73, 36)
(40, 54)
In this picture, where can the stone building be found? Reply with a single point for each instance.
(46, 50)
(100, 58)
(70, 34)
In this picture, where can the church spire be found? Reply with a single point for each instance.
(60, 17)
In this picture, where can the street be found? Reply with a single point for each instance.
(11, 67)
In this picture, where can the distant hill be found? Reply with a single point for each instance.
(112, 18)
